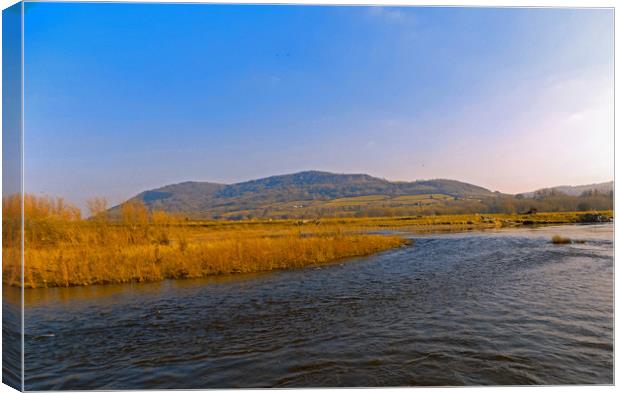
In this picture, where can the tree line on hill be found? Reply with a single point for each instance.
(548, 201)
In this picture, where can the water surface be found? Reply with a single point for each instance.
(480, 308)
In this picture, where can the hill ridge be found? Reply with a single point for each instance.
(309, 185)
(314, 193)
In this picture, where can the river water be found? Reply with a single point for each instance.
(502, 307)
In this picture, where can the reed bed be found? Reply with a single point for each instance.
(153, 262)
(62, 249)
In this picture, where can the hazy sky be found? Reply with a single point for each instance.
(120, 98)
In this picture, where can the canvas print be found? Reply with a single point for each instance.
(202, 196)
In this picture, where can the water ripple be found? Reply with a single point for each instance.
(477, 308)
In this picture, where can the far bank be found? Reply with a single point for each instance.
(63, 252)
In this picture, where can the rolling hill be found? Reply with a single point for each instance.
(303, 190)
(314, 194)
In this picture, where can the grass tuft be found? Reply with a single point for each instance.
(557, 239)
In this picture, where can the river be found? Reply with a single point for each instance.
(502, 307)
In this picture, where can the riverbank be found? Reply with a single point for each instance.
(183, 251)
(62, 253)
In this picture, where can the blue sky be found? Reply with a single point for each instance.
(120, 98)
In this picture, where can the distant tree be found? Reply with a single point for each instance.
(583, 206)
(98, 208)
(134, 212)
(160, 217)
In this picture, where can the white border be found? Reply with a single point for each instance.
(449, 3)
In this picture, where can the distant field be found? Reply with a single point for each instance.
(386, 201)
(357, 200)
(414, 223)
(422, 197)
(374, 204)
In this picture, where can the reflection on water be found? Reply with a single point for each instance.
(475, 308)
(11, 336)
(46, 297)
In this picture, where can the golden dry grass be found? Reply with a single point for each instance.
(62, 249)
(80, 265)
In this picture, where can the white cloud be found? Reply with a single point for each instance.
(391, 14)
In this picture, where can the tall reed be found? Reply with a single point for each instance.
(62, 249)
